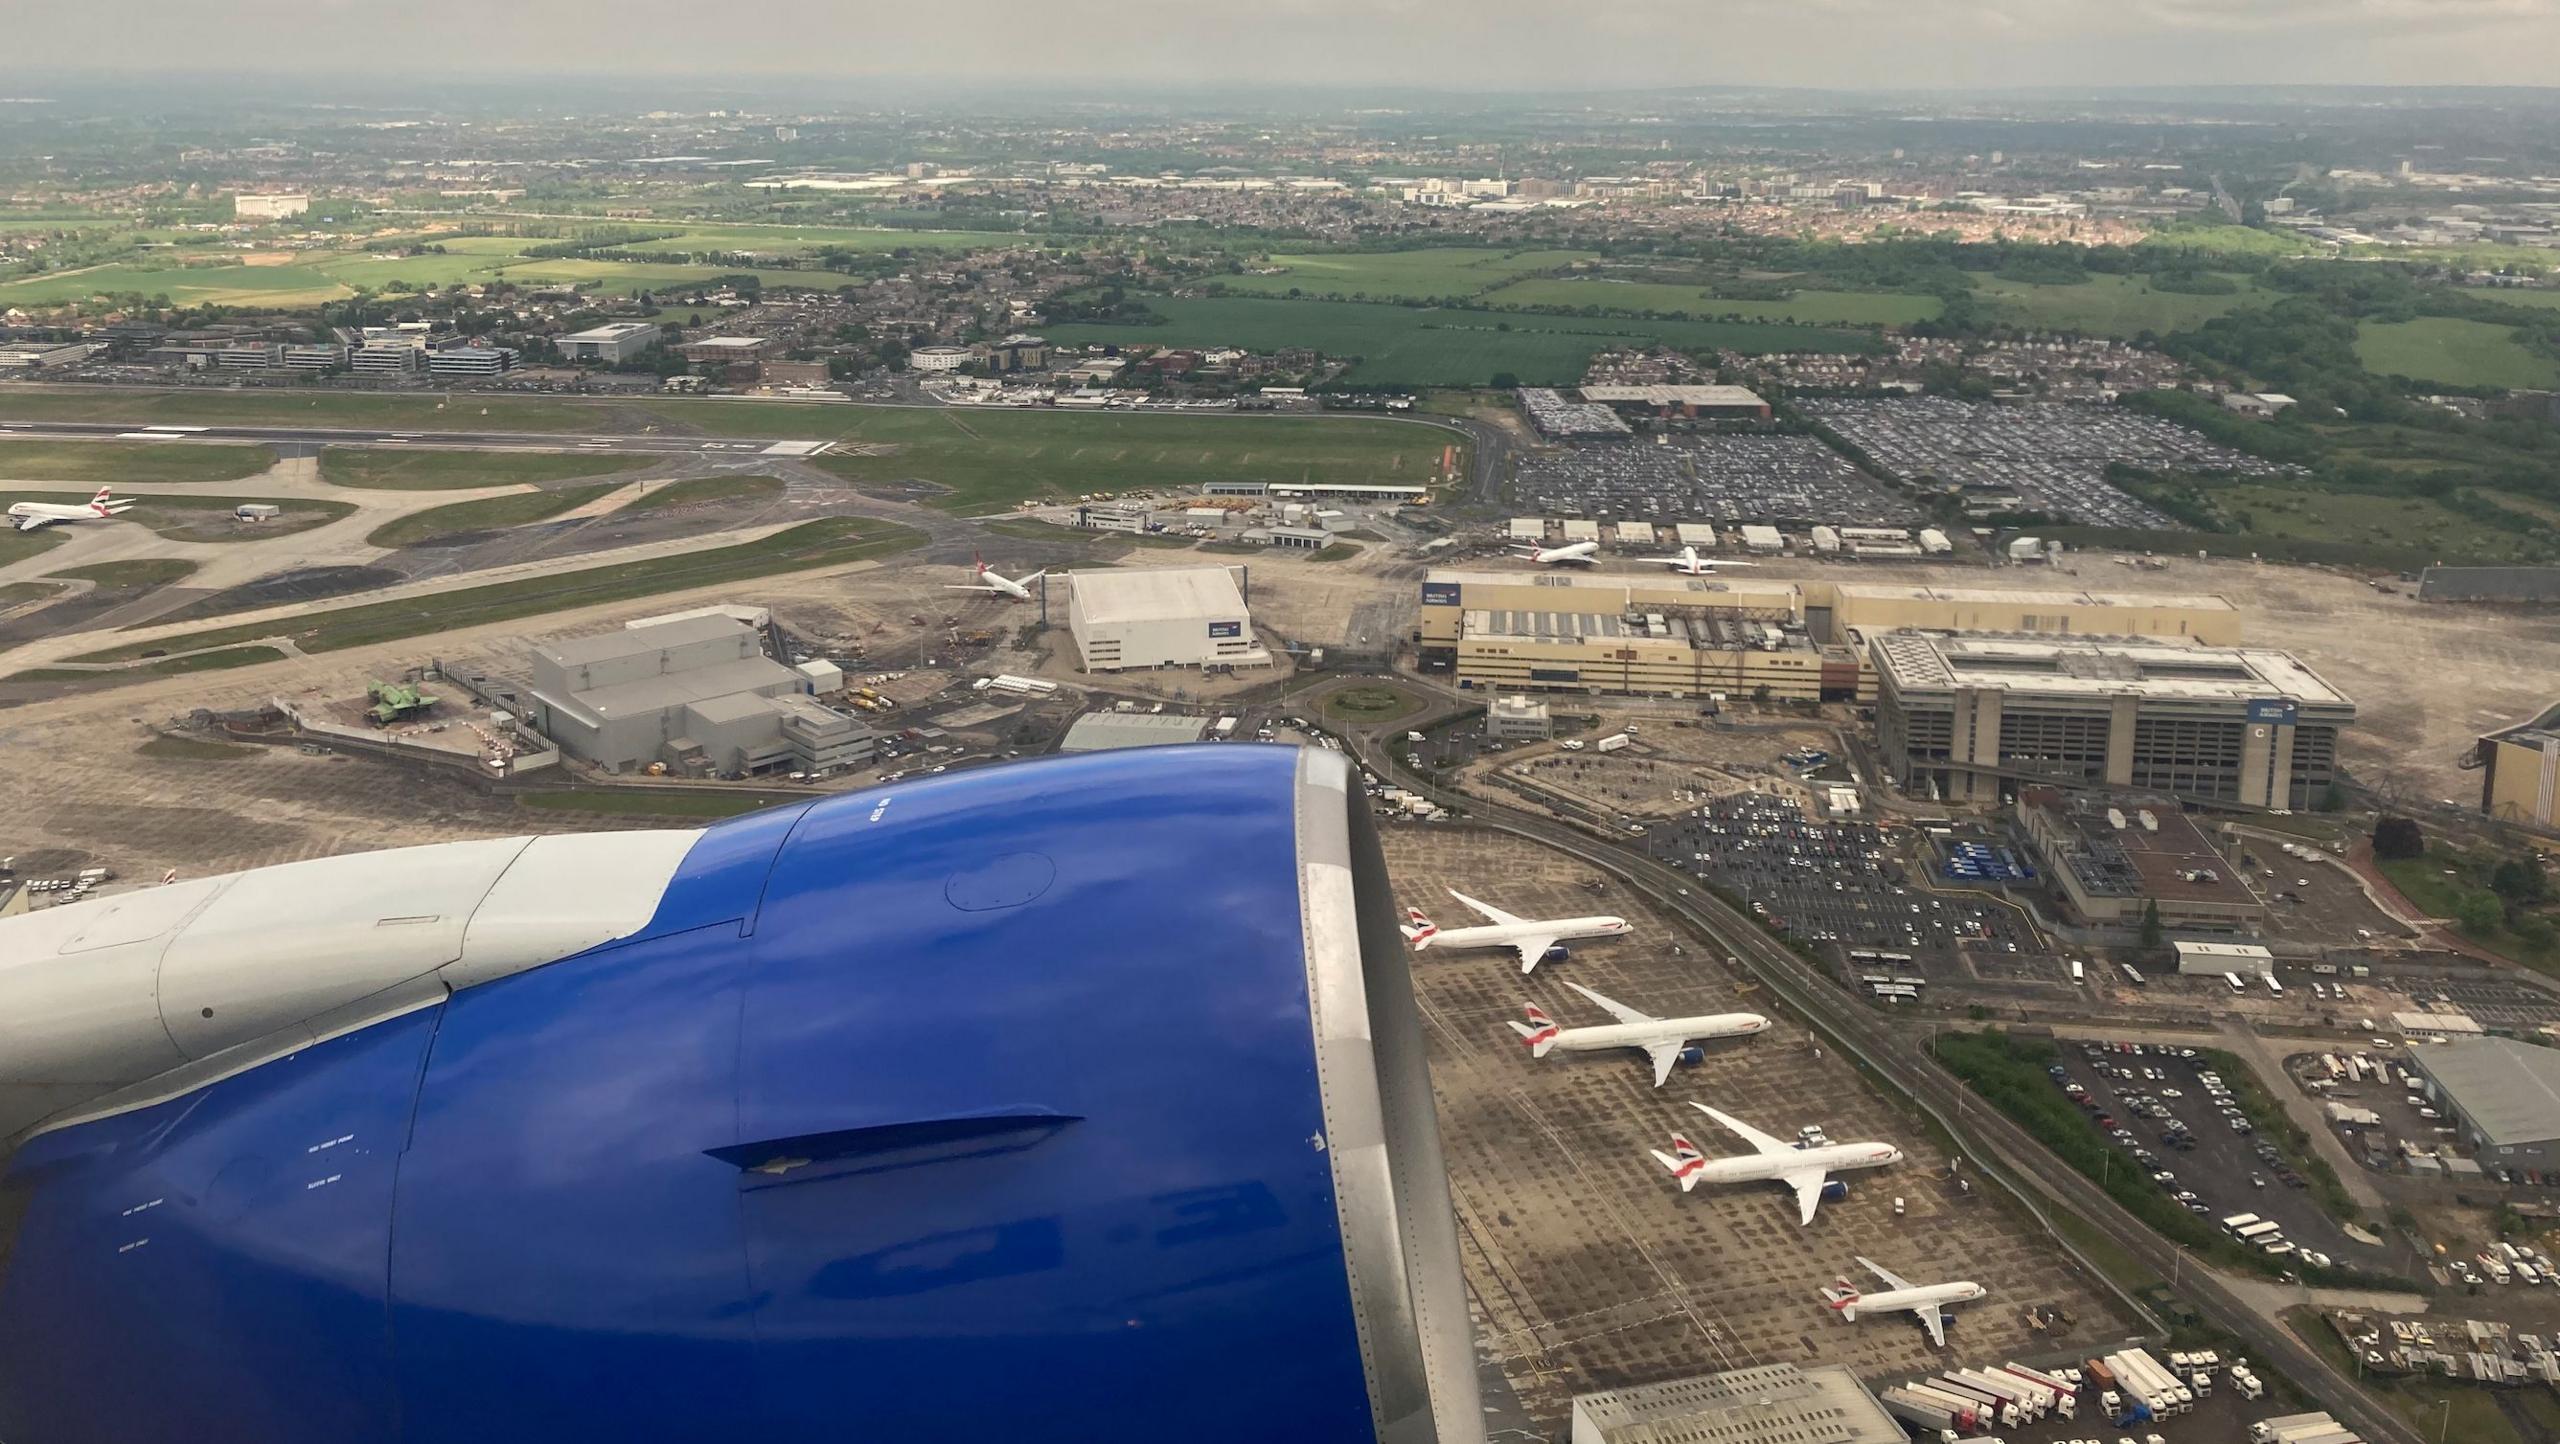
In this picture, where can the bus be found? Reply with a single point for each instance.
(2273, 986)
(2132, 974)
(2233, 979)
(1900, 960)
(2079, 971)
(1862, 955)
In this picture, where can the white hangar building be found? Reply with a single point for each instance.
(1175, 617)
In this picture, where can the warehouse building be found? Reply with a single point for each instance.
(1173, 617)
(2213, 960)
(1113, 731)
(1772, 1404)
(1967, 717)
(269, 207)
(1734, 403)
(696, 693)
(611, 342)
(2504, 1095)
(2520, 772)
(2109, 856)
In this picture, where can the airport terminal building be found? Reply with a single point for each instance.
(1173, 617)
(1966, 717)
(2520, 772)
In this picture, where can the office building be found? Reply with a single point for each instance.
(1771, 1404)
(2504, 1095)
(939, 358)
(269, 207)
(697, 693)
(2520, 772)
(1172, 617)
(471, 361)
(725, 350)
(249, 356)
(314, 358)
(384, 358)
(1014, 353)
(1966, 717)
(1517, 719)
(612, 342)
(2108, 856)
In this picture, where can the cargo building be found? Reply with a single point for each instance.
(1171, 617)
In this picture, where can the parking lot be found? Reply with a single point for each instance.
(1589, 1266)
(2052, 455)
(2167, 1115)
(1773, 479)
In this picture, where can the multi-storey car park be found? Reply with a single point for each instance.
(1968, 717)
(1708, 479)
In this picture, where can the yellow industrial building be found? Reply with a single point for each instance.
(2520, 772)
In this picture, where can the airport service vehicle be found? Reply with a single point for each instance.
(1927, 1302)
(994, 585)
(28, 515)
(922, 1087)
(1662, 1039)
(1937, 1419)
(1530, 937)
(1688, 563)
(1612, 742)
(1805, 1169)
(1579, 553)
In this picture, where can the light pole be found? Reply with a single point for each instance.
(2444, 1416)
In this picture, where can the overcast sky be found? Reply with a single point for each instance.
(1439, 44)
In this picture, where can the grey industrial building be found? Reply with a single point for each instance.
(1967, 716)
(1112, 731)
(1772, 1404)
(697, 693)
(2503, 1094)
(613, 341)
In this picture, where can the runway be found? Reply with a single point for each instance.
(313, 437)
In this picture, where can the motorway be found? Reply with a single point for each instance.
(314, 436)
(1987, 1135)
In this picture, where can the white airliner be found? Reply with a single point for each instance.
(1901, 1293)
(1689, 563)
(1805, 1170)
(1587, 553)
(1660, 1038)
(1530, 936)
(999, 586)
(32, 514)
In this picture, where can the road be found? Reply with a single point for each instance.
(1984, 1133)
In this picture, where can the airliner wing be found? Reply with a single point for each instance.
(1807, 1182)
(1619, 1011)
(1757, 1139)
(1934, 1319)
(1531, 950)
(959, 587)
(1491, 913)
(1891, 1279)
(30, 523)
(1664, 1056)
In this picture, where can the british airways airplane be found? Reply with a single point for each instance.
(911, 1114)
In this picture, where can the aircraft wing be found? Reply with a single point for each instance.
(1491, 913)
(1934, 1319)
(1619, 1011)
(1531, 950)
(1664, 1056)
(962, 587)
(1757, 1139)
(30, 523)
(1891, 1279)
(1807, 1182)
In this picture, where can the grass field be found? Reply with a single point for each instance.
(2300, 513)
(118, 462)
(194, 517)
(1815, 308)
(694, 491)
(1370, 704)
(2440, 882)
(16, 545)
(459, 470)
(829, 542)
(987, 460)
(1434, 273)
(217, 661)
(656, 802)
(486, 513)
(154, 572)
(2453, 352)
(1422, 347)
(13, 593)
(2107, 305)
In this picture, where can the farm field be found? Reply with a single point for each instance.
(1815, 308)
(115, 462)
(1421, 347)
(442, 523)
(389, 470)
(2453, 352)
(1440, 271)
(2109, 305)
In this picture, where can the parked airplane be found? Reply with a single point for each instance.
(1806, 1170)
(1587, 553)
(32, 514)
(1531, 937)
(1662, 1039)
(1900, 1293)
(1689, 563)
(995, 585)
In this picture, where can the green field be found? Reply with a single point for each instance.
(2110, 305)
(694, 491)
(157, 572)
(830, 542)
(119, 462)
(1434, 273)
(13, 593)
(194, 517)
(2547, 299)
(986, 460)
(1813, 308)
(16, 545)
(217, 661)
(247, 286)
(461, 470)
(1420, 347)
(2299, 513)
(488, 513)
(2452, 352)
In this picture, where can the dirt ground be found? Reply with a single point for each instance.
(1590, 1267)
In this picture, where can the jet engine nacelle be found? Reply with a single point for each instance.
(1081, 1098)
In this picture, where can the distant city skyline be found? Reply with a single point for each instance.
(1443, 45)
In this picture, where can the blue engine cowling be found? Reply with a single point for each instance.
(1080, 1099)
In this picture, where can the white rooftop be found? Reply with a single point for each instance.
(1208, 593)
(1672, 395)
(2096, 667)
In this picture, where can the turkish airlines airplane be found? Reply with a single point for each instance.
(1901, 1293)
(32, 514)
(1586, 553)
(1690, 564)
(1662, 1039)
(1805, 1170)
(1530, 937)
(999, 586)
